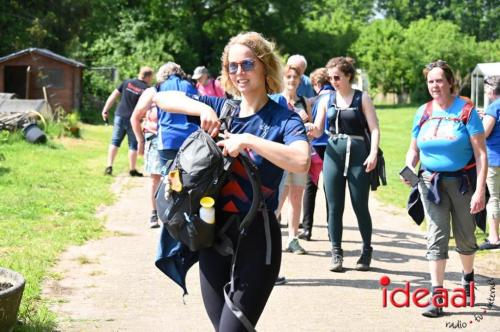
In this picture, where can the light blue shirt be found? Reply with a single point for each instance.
(493, 141)
(445, 145)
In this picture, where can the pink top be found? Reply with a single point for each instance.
(213, 88)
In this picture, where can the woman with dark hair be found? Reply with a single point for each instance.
(448, 140)
(275, 139)
(321, 85)
(348, 158)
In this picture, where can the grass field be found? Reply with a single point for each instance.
(49, 196)
(50, 193)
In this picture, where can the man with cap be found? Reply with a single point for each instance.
(207, 86)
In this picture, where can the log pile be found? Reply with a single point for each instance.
(13, 121)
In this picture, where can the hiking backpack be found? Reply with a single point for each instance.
(378, 174)
(198, 170)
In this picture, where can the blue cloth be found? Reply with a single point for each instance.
(274, 123)
(493, 141)
(323, 139)
(279, 99)
(305, 87)
(122, 126)
(445, 145)
(174, 128)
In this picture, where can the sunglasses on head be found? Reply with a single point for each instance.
(246, 65)
(436, 64)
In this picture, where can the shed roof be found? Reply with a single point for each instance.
(43, 52)
(487, 69)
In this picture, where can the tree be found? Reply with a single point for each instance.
(478, 18)
(379, 49)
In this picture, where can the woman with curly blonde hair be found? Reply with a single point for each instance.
(275, 140)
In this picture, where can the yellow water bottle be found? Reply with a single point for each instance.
(207, 210)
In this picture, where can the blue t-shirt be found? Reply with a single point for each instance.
(445, 145)
(280, 99)
(323, 139)
(305, 87)
(493, 141)
(174, 128)
(273, 122)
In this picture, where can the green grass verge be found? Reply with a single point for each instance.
(49, 195)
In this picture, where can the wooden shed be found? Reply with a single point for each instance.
(26, 73)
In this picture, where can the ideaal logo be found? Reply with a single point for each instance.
(455, 298)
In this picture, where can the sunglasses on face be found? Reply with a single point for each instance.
(246, 65)
(436, 64)
(336, 78)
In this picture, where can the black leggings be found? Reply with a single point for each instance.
(359, 188)
(309, 200)
(254, 280)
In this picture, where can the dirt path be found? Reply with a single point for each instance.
(112, 284)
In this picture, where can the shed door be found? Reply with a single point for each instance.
(15, 80)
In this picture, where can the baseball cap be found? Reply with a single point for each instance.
(199, 71)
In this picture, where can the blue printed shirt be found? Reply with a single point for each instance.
(445, 145)
(274, 123)
(174, 128)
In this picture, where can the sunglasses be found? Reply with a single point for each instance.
(246, 65)
(436, 64)
(336, 78)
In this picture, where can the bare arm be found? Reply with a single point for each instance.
(371, 118)
(317, 128)
(412, 155)
(143, 105)
(478, 198)
(109, 103)
(178, 102)
(488, 124)
(294, 158)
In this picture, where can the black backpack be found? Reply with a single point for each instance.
(198, 170)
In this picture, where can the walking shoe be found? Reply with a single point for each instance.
(467, 288)
(153, 221)
(363, 263)
(134, 172)
(280, 281)
(108, 170)
(337, 259)
(487, 245)
(305, 235)
(432, 311)
(294, 247)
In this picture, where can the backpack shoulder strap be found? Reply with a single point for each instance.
(426, 115)
(357, 101)
(226, 114)
(466, 112)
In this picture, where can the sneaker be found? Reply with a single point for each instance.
(337, 259)
(108, 170)
(432, 311)
(295, 248)
(363, 263)
(135, 173)
(487, 245)
(280, 281)
(153, 221)
(305, 235)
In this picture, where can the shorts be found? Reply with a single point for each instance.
(493, 183)
(296, 179)
(455, 206)
(151, 156)
(122, 126)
